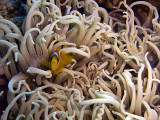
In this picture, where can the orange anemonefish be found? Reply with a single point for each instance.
(59, 60)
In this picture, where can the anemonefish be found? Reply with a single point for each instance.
(59, 59)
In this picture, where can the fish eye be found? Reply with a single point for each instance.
(50, 58)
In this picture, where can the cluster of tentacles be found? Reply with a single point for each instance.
(114, 73)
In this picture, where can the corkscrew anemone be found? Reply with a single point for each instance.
(111, 76)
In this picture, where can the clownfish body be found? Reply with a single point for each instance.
(59, 60)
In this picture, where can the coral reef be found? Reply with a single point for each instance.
(114, 73)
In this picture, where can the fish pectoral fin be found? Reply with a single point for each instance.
(45, 63)
(55, 72)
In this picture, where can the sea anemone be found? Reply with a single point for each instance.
(114, 73)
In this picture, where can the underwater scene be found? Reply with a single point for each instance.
(79, 60)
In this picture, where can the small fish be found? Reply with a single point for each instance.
(59, 60)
